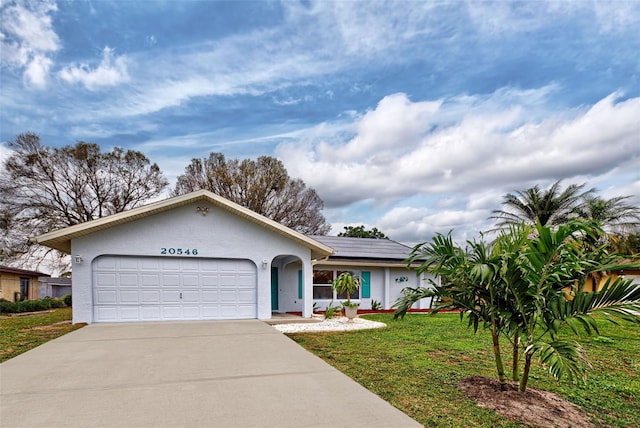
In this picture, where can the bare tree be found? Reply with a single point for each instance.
(262, 185)
(44, 188)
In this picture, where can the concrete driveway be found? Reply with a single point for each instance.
(191, 374)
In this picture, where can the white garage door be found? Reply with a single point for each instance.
(172, 288)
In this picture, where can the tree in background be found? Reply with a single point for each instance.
(550, 207)
(361, 232)
(44, 189)
(261, 185)
(613, 214)
(554, 207)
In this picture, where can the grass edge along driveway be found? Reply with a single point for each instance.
(416, 365)
(22, 332)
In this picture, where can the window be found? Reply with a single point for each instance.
(322, 289)
(24, 288)
(322, 280)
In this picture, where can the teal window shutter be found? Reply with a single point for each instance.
(366, 284)
(299, 284)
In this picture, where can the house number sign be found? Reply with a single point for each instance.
(179, 251)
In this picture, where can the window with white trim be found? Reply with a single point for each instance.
(322, 280)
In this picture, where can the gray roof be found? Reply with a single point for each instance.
(16, 271)
(364, 248)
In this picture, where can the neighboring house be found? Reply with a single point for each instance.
(53, 287)
(18, 284)
(201, 256)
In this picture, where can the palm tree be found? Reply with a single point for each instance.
(515, 286)
(468, 282)
(550, 207)
(612, 213)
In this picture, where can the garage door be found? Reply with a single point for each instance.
(159, 288)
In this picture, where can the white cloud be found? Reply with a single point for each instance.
(27, 40)
(110, 72)
(463, 160)
(485, 147)
(37, 71)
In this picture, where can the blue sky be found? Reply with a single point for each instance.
(414, 117)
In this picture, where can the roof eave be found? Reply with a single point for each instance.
(61, 239)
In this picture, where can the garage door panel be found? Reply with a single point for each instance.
(170, 296)
(171, 312)
(129, 313)
(150, 296)
(190, 296)
(105, 262)
(150, 313)
(157, 288)
(190, 265)
(245, 280)
(107, 313)
(106, 279)
(246, 296)
(108, 297)
(148, 263)
(209, 280)
(129, 297)
(210, 296)
(210, 312)
(171, 264)
(149, 280)
(128, 279)
(170, 280)
(191, 312)
(191, 280)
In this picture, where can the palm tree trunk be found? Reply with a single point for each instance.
(516, 356)
(525, 373)
(496, 351)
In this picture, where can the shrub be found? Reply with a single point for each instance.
(331, 311)
(57, 303)
(8, 307)
(67, 299)
(34, 305)
(375, 305)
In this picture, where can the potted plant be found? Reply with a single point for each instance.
(346, 283)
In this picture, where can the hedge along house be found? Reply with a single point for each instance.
(191, 257)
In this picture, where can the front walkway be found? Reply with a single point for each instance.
(190, 374)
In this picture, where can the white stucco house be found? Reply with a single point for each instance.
(200, 256)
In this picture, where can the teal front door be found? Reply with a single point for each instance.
(274, 288)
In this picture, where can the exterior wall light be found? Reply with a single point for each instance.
(202, 210)
(265, 263)
(78, 258)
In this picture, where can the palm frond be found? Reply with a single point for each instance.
(409, 297)
(562, 358)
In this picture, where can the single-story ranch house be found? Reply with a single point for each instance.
(200, 256)
(19, 284)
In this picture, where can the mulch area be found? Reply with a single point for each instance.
(534, 407)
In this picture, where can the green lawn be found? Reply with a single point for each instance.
(416, 365)
(18, 334)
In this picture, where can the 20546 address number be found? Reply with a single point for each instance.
(179, 251)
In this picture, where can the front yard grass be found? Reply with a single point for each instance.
(416, 364)
(20, 333)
